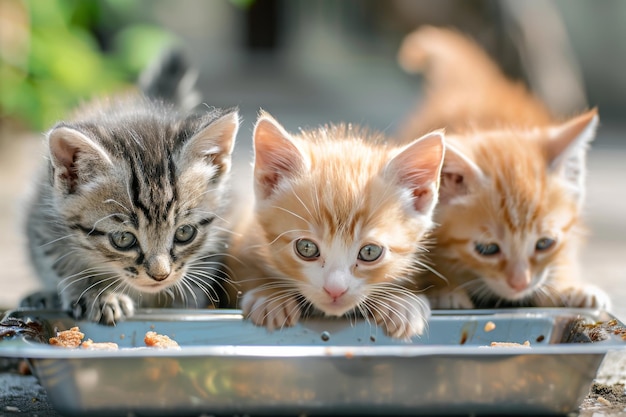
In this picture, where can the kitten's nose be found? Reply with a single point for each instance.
(519, 280)
(158, 267)
(335, 284)
(335, 292)
(159, 277)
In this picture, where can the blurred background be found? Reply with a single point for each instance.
(307, 62)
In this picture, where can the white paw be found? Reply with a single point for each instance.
(403, 316)
(451, 300)
(272, 312)
(586, 296)
(111, 308)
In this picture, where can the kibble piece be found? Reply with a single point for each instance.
(90, 344)
(489, 326)
(510, 344)
(68, 338)
(153, 339)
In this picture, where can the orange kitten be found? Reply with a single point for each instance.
(512, 183)
(339, 220)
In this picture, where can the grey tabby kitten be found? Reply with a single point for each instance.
(132, 207)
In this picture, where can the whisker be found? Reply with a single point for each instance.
(104, 218)
(303, 206)
(93, 304)
(292, 213)
(56, 240)
(185, 284)
(111, 200)
(206, 288)
(62, 288)
(222, 229)
(278, 237)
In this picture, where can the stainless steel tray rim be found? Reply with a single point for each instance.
(297, 351)
(23, 348)
(176, 314)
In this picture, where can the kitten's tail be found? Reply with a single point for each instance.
(447, 59)
(464, 86)
(171, 79)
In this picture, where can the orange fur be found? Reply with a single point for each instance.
(342, 188)
(465, 89)
(513, 175)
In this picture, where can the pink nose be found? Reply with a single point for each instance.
(518, 286)
(519, 281)
(335, 292)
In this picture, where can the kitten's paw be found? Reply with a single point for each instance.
(451, 300)
(403, 316)
(586, 296)
(109, 308)
(270, 311)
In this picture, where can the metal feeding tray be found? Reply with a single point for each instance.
(226, 365)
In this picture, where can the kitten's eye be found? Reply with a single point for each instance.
(544, 243)
(487, 249)
(185, 234)
(307, 249)
(122, 240)
(370, 253)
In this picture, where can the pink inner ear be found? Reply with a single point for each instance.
(71, 150)
(63, 152)
(268, 181)
(422, 199)
(452, 185)
(275, 156)
(70, 175)
(214, 143)
(418, 167)
(64, 156)
(458, 175)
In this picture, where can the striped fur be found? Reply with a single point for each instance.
(513, 176)
(342, 188)
(134, 168)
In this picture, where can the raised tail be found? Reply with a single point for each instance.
(464, 86)
(171, 79)
(447, 59)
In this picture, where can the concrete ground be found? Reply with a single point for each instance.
(372, 92)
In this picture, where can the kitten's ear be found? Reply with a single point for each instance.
(214, 143)
(76, 158)
(276, 156)
(459, 175)
(567, 146)
(418, 166)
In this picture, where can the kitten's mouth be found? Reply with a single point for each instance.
(153, 287)
(335, 307)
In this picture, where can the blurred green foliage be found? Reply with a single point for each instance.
(56, 53)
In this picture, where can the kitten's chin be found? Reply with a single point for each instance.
(336, 308)
(150, 286)
(155, 288)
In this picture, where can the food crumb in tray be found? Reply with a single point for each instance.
(90, 344)
(510, 344)
(489, 326)
(153, 339)
(73, 338)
